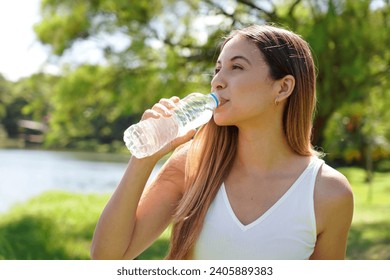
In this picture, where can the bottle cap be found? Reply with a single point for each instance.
(214, 95)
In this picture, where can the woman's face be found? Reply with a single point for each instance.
(243, 83)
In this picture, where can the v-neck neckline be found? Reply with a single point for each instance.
(270, 210)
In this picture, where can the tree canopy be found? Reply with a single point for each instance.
(153, 49)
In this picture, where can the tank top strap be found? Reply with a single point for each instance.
(316, 164)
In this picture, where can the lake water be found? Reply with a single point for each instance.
(27, 173)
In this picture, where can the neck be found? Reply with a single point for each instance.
(263, 148)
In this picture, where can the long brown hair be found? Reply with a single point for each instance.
(213, 149)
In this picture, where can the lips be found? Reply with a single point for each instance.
(222, 101)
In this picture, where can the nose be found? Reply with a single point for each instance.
(218, 82)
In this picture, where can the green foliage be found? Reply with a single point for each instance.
(4, 88)
(9, 107)
(354, 129)
(70, 16)
(97, 103)
(28, 98)
(64, 22)
(173, 42)
(345, 46)
(170, 49)
(83, 105)
(55, 225)
(359, 132)
(36, 91)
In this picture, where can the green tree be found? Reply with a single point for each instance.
(4, 100)
(4, 89)
(28, 98)
(171, 44)
(35, 91)
(349, 42)
(90, 105)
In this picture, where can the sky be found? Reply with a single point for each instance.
(20, 52)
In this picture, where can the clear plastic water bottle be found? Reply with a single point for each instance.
(149, 136)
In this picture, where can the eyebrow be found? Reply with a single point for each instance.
(238, 57)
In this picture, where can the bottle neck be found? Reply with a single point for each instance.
(215, 97)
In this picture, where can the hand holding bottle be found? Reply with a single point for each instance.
(164, 109)
(170, 123)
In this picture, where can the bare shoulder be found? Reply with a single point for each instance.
(332, 184)
(333, 203)
(333, 197)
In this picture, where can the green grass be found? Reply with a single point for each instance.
(54, 225)
(60, 225)
(369, 238)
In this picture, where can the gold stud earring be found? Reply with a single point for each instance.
(276, 102)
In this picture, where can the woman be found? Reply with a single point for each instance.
(249, 185)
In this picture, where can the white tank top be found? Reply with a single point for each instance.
(285, 231)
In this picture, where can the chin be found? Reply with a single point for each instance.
(220, 121)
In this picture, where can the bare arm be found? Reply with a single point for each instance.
(133, 218)
(334, 210)
(115, 227)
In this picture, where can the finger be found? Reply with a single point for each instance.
(149, 113)
(169, 103)
(175, 99)
(162, 109)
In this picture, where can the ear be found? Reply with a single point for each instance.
(285, 87)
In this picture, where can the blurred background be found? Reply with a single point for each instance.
(74, 74)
